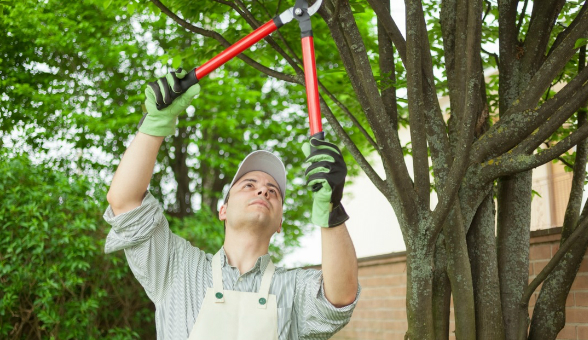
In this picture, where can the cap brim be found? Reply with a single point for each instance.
(267, 162)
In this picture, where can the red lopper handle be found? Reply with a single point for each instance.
(312, 95)
(238, 47)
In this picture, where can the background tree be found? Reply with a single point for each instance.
(493, 138)
(56, 282)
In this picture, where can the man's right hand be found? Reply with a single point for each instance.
(167, 95)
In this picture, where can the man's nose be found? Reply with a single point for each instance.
(263, 191)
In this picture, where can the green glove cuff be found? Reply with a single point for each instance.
(158, 125)
(324, 214)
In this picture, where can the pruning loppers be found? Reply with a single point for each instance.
(302, 13)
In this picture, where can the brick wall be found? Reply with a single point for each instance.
(381, 310)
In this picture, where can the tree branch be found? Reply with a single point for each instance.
(350, 116)
(566, 163)
(350, 145)
(572, 213)
(522, 16)
(414, 77)
(240, 8)
(336, 10)
(225, 43)
(563, 249)
(509, 132)
(508, 43)
(436, 129)
(383, 13)
(387, 72)
(553, 64)
(298, 70)
(471, 106)
(543, 18)
(494, 55)
(563, 35)
(514, 163)
(361, 79)
(559, 117)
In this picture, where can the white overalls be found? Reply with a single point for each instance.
(233, 315)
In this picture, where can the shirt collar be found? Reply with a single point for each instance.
(260, 264)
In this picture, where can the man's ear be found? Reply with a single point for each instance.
(280, 227)
(222, 213)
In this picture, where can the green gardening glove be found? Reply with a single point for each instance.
(325, 176)
(166, 100)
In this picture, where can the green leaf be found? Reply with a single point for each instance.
(131, 7)
(106, 3)
(164, 59)
(580, 42)
(177, 61)
(357, 8)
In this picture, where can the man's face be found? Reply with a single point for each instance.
(255, 200)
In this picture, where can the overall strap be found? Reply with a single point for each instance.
(265, 284)
(217, 279)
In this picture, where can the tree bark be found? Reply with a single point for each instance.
(460, 275)
(514, 219)
(441, 291)
(549, 312)
(419, 292)
(482, 251)
(181, 174)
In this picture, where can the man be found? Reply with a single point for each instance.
(237, 293)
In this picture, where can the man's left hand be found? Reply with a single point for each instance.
(325, 176)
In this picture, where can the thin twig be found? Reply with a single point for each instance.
(488, 8)
(350, 116)
(522, 17)
(352, 147)
(288, 47)
(225, 43)
(570, 165)
(496, 57)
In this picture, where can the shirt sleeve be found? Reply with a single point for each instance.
(153, 252)
(317, 318)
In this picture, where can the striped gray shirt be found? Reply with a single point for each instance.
(176, 275)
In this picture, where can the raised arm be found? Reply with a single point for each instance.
(134, 173)
(326, 178)
(339, 266)
(165, 100)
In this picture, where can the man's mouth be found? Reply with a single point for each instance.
(260, 202)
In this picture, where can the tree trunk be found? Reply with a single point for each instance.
(549, 312)
(181, 174)
(441, 291)
(482, 250)
(419, 292)
(460, 275)
(514, 219)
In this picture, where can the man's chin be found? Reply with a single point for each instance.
(258, 220)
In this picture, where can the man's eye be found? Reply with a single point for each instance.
(248, 185)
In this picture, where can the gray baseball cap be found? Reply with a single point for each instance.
(263, 161)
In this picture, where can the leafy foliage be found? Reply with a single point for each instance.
(56, 281)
